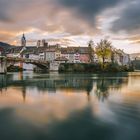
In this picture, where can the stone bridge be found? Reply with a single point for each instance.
(9, 61)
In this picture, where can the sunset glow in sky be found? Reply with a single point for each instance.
(72, 22)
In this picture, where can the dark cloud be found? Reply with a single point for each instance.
(76, 17)
(129, 19)
(3, 11)
(89, 9)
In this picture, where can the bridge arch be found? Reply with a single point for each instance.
(44, 65)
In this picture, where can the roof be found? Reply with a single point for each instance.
(14, 50)
(39, 49)
(51, 48)
(73, 50)
(61, 59)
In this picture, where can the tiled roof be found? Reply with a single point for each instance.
(14, 50)
(73, 50)
(51, 48)
(31, 49)
(61, 59)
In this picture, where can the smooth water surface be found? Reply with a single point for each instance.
(70, 106)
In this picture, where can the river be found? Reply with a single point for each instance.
(70, 106)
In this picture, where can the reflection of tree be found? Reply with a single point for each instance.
(102, 89)
(24, 93)
(104, 84)
(89, 88)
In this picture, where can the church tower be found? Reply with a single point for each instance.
(23, 41)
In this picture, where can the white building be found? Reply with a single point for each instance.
(126, 59)
(121, 58)
(76, 57)
(57, 53)
(41, 56)
(50, 55)
(54, 66)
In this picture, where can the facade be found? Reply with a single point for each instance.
(76, 54)
(50, 55)
(54, 66)
(41, 56)
(56, 55)
(64, 53)
(52, 52)
(84, 58)
(121, 58)
(71, 57)
(126, 59)
(77, 58)
(84, 55)
(31, 56)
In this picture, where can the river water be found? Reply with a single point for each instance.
(70, 106)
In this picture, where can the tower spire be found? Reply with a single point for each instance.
(23, 41)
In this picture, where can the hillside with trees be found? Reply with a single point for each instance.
(5, 46)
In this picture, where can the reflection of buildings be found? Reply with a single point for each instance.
(102, 85)
(6, 81)
(3, 82)
(23, 90)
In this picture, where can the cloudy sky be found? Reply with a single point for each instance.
(72, 22)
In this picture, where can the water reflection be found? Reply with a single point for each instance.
(104, 85)
(55, 106)
(53, 82)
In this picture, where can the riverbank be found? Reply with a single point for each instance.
(93, 68)
(80, 68)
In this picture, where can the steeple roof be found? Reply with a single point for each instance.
(23, 37)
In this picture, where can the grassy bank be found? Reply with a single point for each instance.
(93, 68)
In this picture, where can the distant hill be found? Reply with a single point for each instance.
(5, 46)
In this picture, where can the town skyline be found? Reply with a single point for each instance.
(71, 22)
